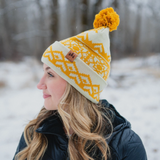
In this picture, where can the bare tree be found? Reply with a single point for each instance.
(84, 10)
(6, 31)
(28, 27)
(95, 7)
(136, 40)
(54, 19)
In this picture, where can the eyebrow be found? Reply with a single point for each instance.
(47, 68)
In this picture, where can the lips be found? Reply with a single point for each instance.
(46, 96)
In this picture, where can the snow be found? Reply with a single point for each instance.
(134, 89)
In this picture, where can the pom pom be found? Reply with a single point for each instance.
(107, 18)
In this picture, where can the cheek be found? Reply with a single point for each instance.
(58, 89)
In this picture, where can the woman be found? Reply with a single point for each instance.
(74, 124)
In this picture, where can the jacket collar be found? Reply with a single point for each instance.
(52, 125)
(119, 122)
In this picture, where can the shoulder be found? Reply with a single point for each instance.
(22, 144)
(124, 143)
(127, 145)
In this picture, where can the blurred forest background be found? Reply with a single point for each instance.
(28, 27)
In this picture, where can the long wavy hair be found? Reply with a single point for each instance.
(90, 124)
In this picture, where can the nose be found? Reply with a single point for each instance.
(41, 85)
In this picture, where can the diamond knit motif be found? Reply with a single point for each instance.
(92, 58)
(70, 69)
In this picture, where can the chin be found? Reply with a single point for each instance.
(49, 107)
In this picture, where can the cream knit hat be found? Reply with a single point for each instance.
(84, 60)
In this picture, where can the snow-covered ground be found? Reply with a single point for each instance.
(134, 89)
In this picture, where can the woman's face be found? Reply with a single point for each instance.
(53, 87)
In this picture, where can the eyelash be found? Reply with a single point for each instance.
(50, 75)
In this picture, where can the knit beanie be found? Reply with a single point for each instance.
(84, 60)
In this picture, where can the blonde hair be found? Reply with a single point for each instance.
(89, 122)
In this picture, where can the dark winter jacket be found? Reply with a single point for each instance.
(124, 143)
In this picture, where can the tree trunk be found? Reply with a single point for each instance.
(84, 11)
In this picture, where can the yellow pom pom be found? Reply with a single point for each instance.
(107, 18)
